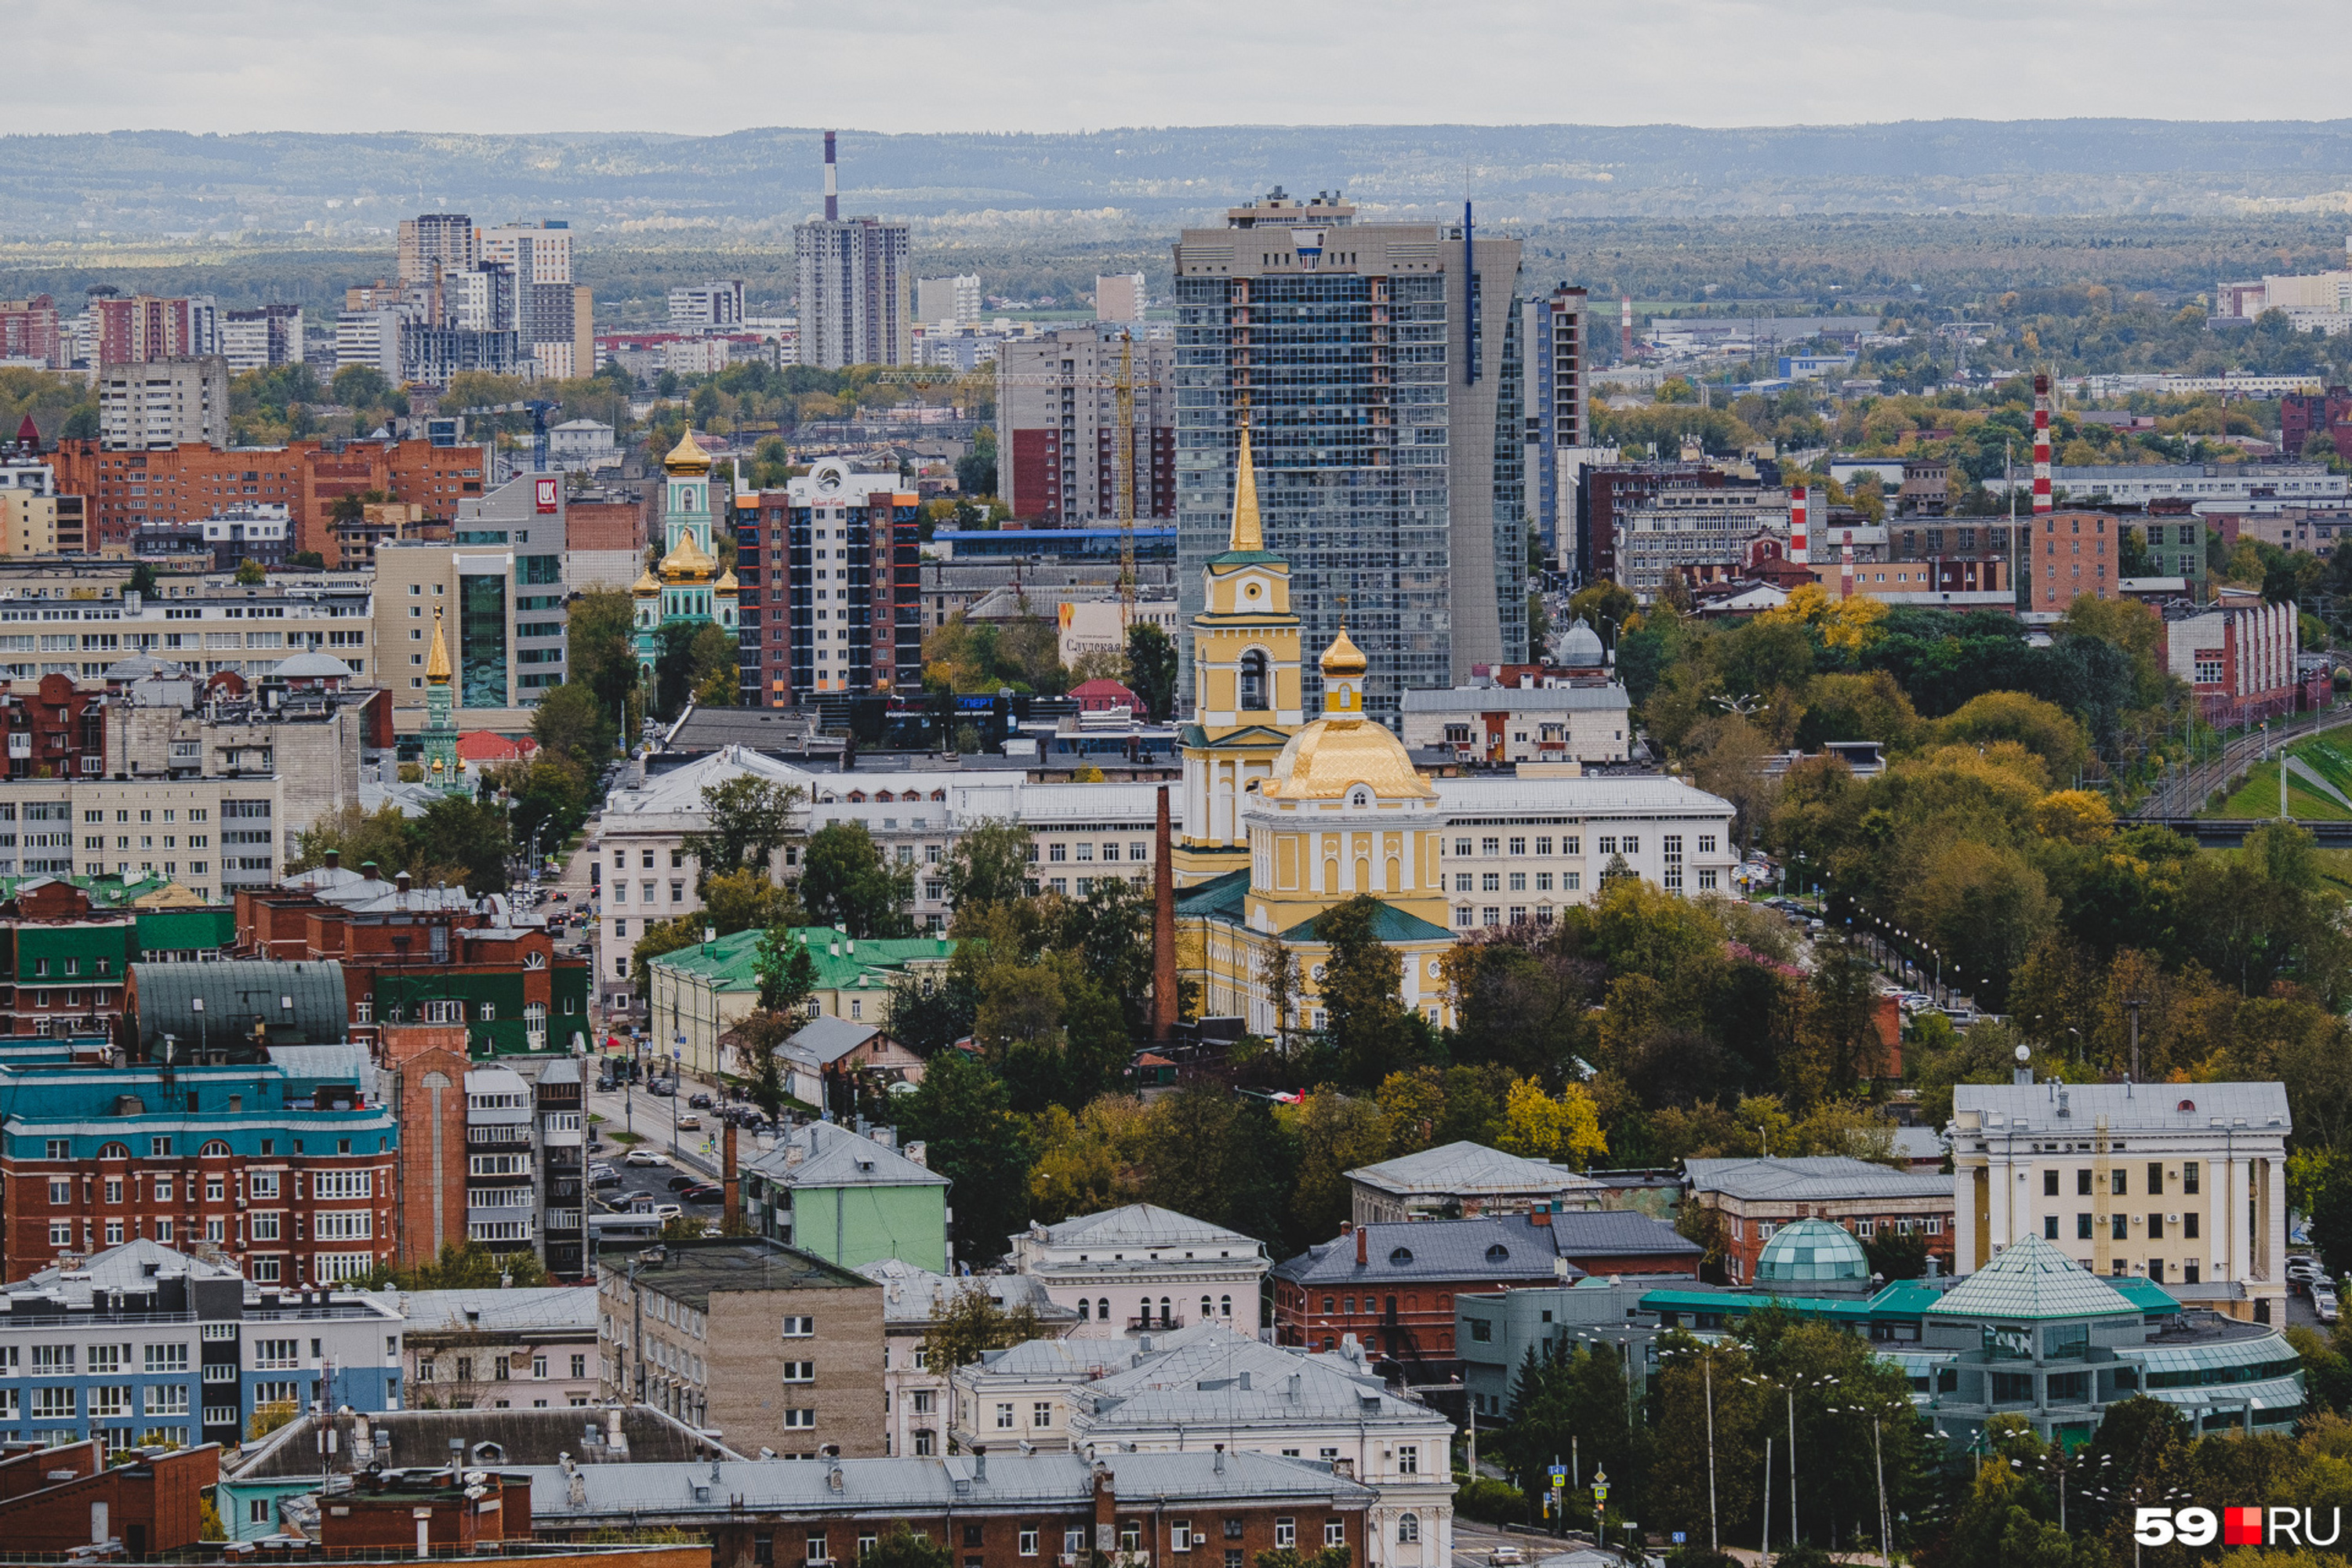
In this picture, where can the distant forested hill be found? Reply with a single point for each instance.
(150, 183)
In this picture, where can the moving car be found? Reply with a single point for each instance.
(699, 1101)
(688, 1122)
(644, 1157)
(703, 1192)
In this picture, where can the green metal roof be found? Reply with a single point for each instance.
(178, 931)
(303, 1002)
(2144, 1293)
(1219, 897)
(1812, 1251)
(843, 963)
(2031, 1280)
(1390, 924)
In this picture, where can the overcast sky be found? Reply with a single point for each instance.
(708, 65)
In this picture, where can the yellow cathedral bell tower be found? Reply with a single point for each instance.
(1247, 694)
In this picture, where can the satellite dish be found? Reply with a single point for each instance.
(2023, 1056)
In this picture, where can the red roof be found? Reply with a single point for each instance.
(489, 746)
(1104, 693)
(28, 433)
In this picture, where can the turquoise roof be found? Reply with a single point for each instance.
(1219, 897)
(2144, 1293)
(1388, 924)
(843, 963)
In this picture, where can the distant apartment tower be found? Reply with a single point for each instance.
(1119, 298)
(705, 307)
(433, 243)
(1558, 426)
(1058, 418)
(163, 406)
(1392, 473)
(955, 300)
(262, 339)
(552, 311)
(143, 328)
(28, 331)
(854, 293)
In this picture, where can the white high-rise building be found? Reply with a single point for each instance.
(1120, 298)
(707, 307)
(948, 300)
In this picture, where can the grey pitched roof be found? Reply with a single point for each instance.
(2137, 1108)
(1208, 1374)
(551, 1309)
(828, 1039)
(1469, 1168)
(309, 665)
(1618, 1233)
(2031, 1278)
(693, 1271)
(834, 1156)
(1500, 1249)
(123, 1268)
(1146, 1226)
(876, 1487)
(1813, 1177)
(913, 1295)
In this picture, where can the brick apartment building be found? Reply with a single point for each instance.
(1606, 492)
(831, 596)
(152, 1500)
(1216, 1506)
(67, 949)
(424, 955)
(55, 728)
(1392, 1285)
(692, 1328)
(2073, 553)
(128, 490)
(1058, 413)
(1756, 1198)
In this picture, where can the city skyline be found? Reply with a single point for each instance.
(257, 66)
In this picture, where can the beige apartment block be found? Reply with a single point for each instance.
(774, 1348)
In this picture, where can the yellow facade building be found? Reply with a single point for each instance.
(1285, 819)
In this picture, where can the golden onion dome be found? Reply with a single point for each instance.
(726, 584)
(436, 663)
(687, 456)
(645, 587)
(1331, 756)
(687, 560)
(1343, 659)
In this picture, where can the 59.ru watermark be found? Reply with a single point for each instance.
(2235, 1526)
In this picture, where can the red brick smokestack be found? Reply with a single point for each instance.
(730, 1210)
(1163, 927)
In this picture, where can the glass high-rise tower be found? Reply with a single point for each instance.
(1378, 367)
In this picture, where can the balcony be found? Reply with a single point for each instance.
(1149, 1321)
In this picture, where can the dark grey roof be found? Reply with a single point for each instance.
(1618, 1233)
(421, 1437)
(1501, 1250)
(301, 1000)
(693, 1271)
(1815, 1177)
(1467, 1169)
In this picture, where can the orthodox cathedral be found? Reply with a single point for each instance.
(686, 587)
(1284, 818)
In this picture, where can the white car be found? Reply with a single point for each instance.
(2323, 1301)
(644, 1157)
(688, 1122)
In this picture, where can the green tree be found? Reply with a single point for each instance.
(738, 900)
(989, 863)
(976, 470)
(758, 1038)
(972, 1323)
(599, 651)
(249, 572)
(749, 819)
(660, 937)
(962, 1114)
(141, 580)
(786, 973)
(904, 1547)
(471, 836)
(470, 1265)
(1151, 669)
(570, 723)
(1370, 1029)
(386, 839)
(360, 386)
(845, 882)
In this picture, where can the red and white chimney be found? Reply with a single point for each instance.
(1800, 550)
(2042, 503)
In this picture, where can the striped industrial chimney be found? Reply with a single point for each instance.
(1800, 547)
(832, 182)
(2041, 446)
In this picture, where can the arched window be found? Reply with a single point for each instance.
(1253, 684)
(1085, 1310)
(114, 1150)
(1205, 1312)
(1225, 1306)
(215, 1150)
(1408, 1529)
(1167, 1316)
(1102, 1309)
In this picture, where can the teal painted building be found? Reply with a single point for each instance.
(849, 1199)
(687, 588)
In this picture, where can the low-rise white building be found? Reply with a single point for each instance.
(915, 1393)
(1208, 1383)
(1533, 721)
(1141, 1267)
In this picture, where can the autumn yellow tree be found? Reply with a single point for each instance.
(1565, 1127)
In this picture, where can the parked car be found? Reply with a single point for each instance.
(2323, 1301)
(604, 1175)
(667, 1212)
(644, 1157)
(703, 1192)
(680, 1182)
(1505, 1557)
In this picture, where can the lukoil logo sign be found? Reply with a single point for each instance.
(2235, 1526)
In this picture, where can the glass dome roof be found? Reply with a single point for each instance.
(1812, 1252)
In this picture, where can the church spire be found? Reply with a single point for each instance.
(1246, 535)
(436, 663)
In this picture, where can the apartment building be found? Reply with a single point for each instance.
(2073, 553)
(1392, 479)
(773, 1347)
(211, 836)
(162, 405)
(849, 1199)
(915, 1393)
(67, 946)
(208, 626)
(28, 331)
(284, 1162)
(831, 586)
(145, 327)
(497, 595)
(128, 490)
(854, 292)
(1141, 1267)
(520, 1349)
(952, 302)
(263, 338)
(1517, 849)
(146, 1344)
(1757, 1199)
(1058, 442)
(1555, 327)
(2181, 1185)
(1692, 525)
